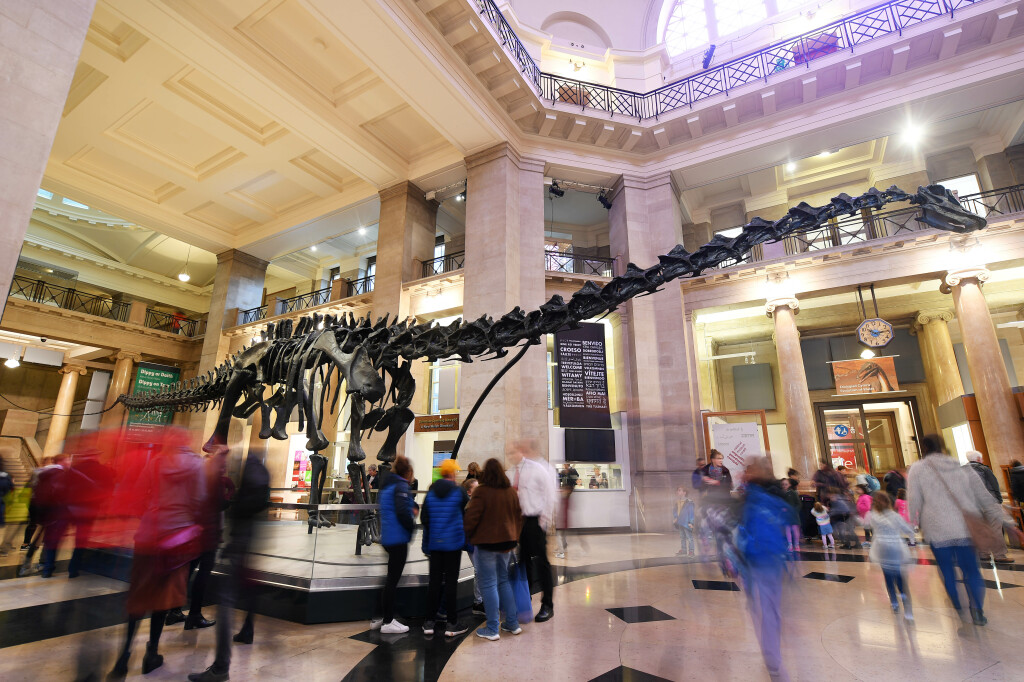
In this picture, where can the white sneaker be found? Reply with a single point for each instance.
(559, 555)
(394, 628)
(376, 623)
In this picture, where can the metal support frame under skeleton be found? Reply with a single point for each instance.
(373, 359)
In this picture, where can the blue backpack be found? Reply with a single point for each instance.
(873, 483)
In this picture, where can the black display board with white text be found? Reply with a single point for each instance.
(582, 378)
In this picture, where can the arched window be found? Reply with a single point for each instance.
(692, 24)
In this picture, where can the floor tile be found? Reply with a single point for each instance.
(639, 614)
(723, 585)
(830, 577)
(624, 674)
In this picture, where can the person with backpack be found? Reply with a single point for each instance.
(761, 542)
(397, 522)
(894, 481)
(888, 549)
(443, 542)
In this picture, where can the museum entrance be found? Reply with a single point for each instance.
(877, 435)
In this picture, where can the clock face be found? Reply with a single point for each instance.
(874, 332)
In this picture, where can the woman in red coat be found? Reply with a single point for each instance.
(167, 540)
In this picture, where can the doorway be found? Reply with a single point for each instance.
(877, 435)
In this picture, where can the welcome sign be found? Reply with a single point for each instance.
(582, 378)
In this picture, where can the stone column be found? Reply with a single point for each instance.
(937, 350)
(41, 44)
(994, 171)
(62, 410)
(237, 285)
(120, 382)
(800, 427)
(504, 268)
(659, 360)
(1000, 418)
(405, 238)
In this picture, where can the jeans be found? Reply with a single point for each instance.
(966, 557)
(686, 539)
(492, 574)
(764, 599)
(793, 536)
(397, 554)
(477, 597)
(533, 547)
(894, 584)
(444, 571)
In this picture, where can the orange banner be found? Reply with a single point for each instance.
(874, 375)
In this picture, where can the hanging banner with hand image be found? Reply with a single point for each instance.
(873, 375)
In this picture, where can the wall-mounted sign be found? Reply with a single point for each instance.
(737, 442)
(582, 378)
(437, 422)
(301, 473)
(841, 430)
(150, 377)
(873, 375)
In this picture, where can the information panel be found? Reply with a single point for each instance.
(582, 378)
(150, 377)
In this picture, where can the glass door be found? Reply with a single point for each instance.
(844, 435)
(883, 434)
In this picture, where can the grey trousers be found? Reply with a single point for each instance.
(764, 599)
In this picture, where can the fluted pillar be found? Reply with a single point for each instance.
(62, 410)
(1000, 418)
(120, 382)
(800, 429)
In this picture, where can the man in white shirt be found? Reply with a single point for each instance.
(536, 484)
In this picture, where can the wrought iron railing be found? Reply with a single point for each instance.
(252, 315)
(358, 287)
(449, 262)
(38, 291)
(843, 34)
(591, 266)
(303, 301)
(176, 324)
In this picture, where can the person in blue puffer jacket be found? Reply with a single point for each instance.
(443, 541)
(397, 521)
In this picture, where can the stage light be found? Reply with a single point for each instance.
(554, 190)
(603, 198)
(362, 230)
(790, 167)
(912, 135)
(313, 248)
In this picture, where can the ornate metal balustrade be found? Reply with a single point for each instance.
(38, 291)
(450, 262)
(303, 301)
(591, 266)
(176, 324)
(843, 34)
(252, 315)
(358, 287)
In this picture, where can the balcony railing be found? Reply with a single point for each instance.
(449, 262)
(176, 324)
(843, 34)
(358, 287)
(591, 266)
(38, 291)
(303, 301)
(252, 315)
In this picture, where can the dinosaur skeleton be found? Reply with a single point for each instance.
(373, 359)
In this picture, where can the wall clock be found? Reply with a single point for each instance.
(874, 332)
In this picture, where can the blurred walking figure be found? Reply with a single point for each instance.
(761, 541)
(51, 505)
(494, 524)
(683, 519)
(864, 500)
(820, 513)
(469, 485)
(443, 542)
(535, 483)
(793, 500)
(89, 484)
(952, 504)
(251, 499)
(168, 538)
(396, 526)
(974, 461)
(568, 479)
(888, 549)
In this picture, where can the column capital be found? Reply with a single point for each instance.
(128, 355)
(955, 277)
(242, 257)
(503, 150)
(71, 368)
(783, 302)
(644, 182)
(923, 317)
(398, 189)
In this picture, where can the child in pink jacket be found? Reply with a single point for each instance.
(903, 509)
(863, 507)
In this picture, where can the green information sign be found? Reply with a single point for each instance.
(148, 378)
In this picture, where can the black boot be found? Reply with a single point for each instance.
(244, 635)
(174, 616)
(120, 670)
(197, 622)
(152, 660)
(978, 616)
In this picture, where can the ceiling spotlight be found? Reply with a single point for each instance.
(867, 354)
(554, 190)
(461, 196)
(912, 135)
(824, 154)
(183, 275)
(12, 362)
(603, 198)
(362, 230)
(313, 248)
(790, 167)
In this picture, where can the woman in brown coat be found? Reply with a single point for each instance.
(493, 522)
(168, 538)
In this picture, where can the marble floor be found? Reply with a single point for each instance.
(626, 608)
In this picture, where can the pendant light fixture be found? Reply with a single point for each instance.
(183, 275)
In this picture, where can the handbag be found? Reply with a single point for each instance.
(984, 539)
(521, 590)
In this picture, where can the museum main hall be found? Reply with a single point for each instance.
(583, 340)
